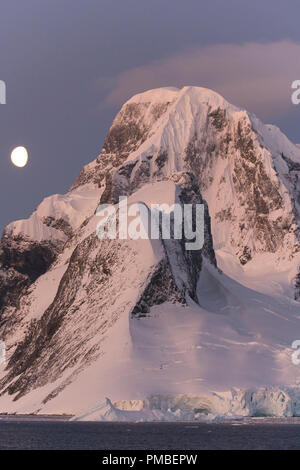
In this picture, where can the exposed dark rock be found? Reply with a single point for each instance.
(123, 138)
(161, 288)
(141, 175)
(202, 153)
(297, 286)
(218, 118)
(22, 261)
(224, 214)
(244, 142)
(40, 334)
(190, 194)
(159, 109)
(293, 166)
(59, 224)
(26, 256)
(161, 159)
(126, 134)
(106, 197)
(96, 172)
(246, 256)
(12, 286)
(127, 168)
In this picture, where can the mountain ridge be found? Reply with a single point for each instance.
(62, 302)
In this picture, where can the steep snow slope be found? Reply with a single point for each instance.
(138, 320)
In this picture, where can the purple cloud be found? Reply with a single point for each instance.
(257, 76)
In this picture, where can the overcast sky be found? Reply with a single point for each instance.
(70, 64)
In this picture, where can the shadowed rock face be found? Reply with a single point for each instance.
(59, 224)
(21, 263)
(218, 118)
(297, 286)
(27, 257)
(256, 194)
(165, 284)
(128, 131)
(12, 286)
(161, 288)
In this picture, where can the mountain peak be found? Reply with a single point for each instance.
(245, 170)
(72, 306)
(171, 94)
(159, 95)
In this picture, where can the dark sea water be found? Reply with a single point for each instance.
(57, 433)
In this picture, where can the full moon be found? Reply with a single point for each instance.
(19, 156)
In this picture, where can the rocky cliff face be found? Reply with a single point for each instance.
(247, 172)
(133, 125)
(63, 291)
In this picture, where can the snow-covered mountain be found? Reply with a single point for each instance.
(146, 322)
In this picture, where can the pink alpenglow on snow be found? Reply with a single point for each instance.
(145, 329)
